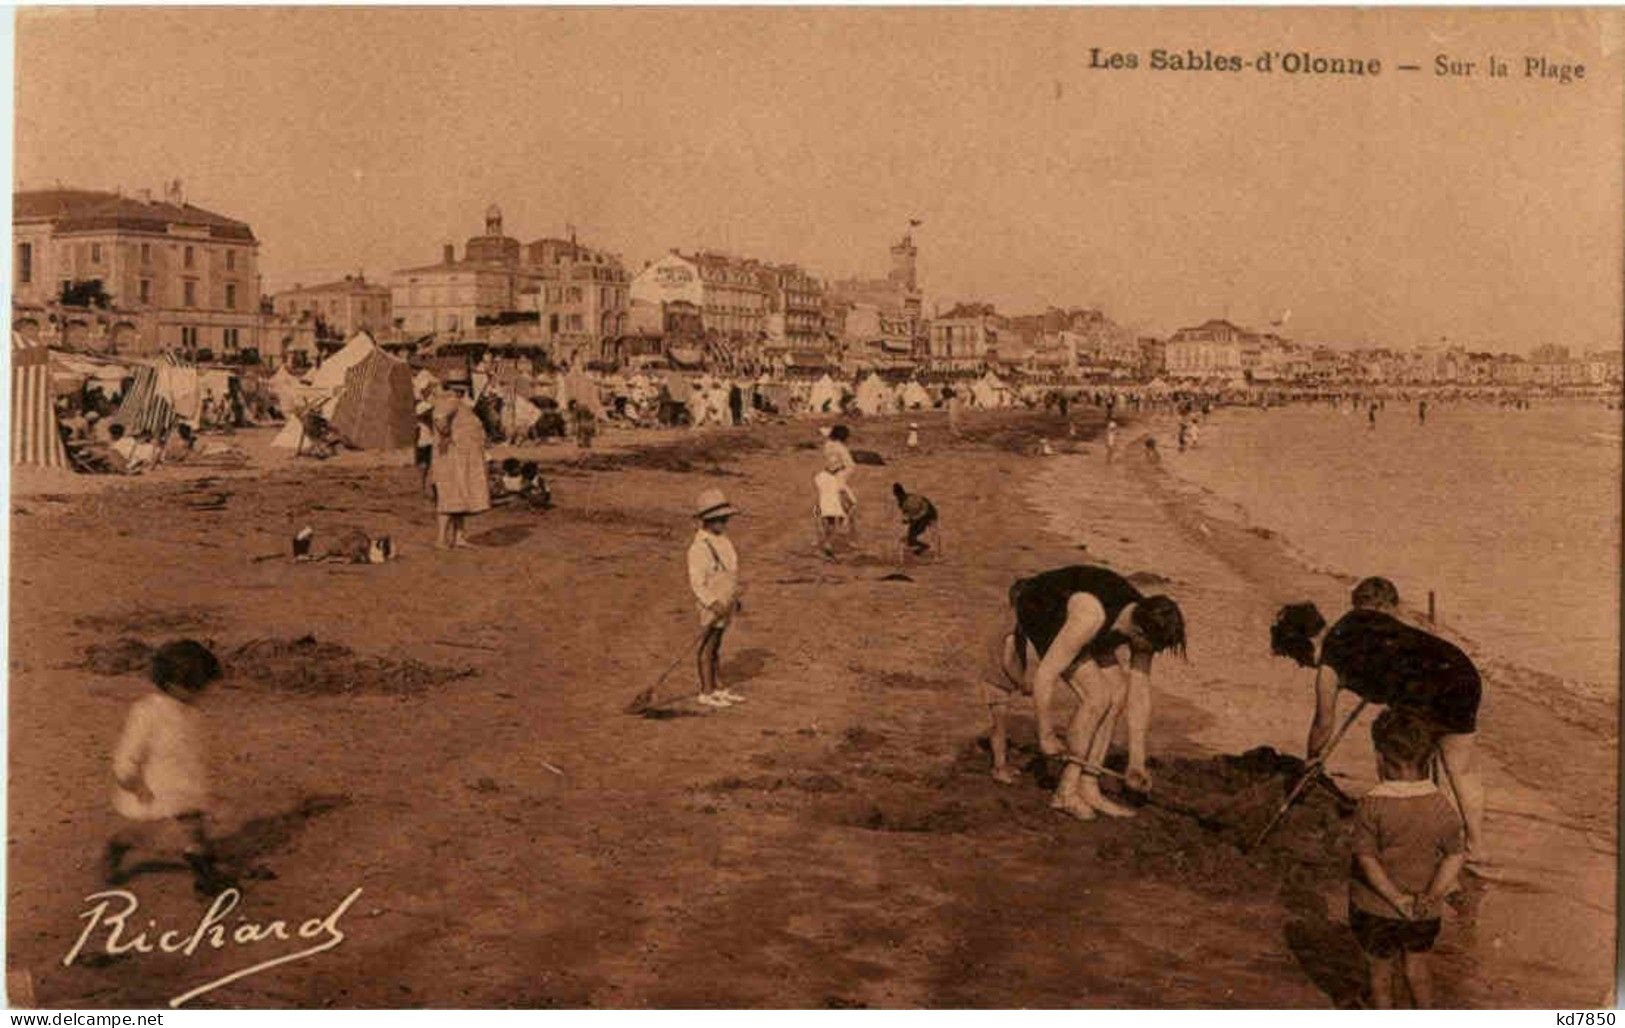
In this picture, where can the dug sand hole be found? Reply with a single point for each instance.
(310, 667)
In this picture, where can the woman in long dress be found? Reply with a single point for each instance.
(458, 468)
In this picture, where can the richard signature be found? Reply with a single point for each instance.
(110, 912)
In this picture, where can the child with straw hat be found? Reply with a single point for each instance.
(713, 574)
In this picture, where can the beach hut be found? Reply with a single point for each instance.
(825, 397)
(35, 437)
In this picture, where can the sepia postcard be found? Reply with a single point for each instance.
(815, 507)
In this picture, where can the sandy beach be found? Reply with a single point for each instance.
(447, 733)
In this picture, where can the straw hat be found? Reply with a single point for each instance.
(712, 505)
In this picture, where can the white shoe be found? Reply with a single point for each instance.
(710, 699)
(729, 695)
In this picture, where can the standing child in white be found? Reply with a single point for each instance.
(713, 574)
(161, 769)
(835, 500)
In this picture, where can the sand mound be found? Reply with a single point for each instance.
(305, 665)
(120, 657)
(1202, 812)
(1212, 808)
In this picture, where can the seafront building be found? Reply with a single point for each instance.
(880, 322)
(1209, 350)
(338, 310)
(583, 297)
(728, 291)
(455, 296)
(133, 274)
(967, 338)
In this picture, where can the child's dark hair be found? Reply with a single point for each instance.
(898, 491)
(1160, 620)
(115, 430)
(510, 466)
(840, 433)
(1293, 634)
(1374, 594)
(1403, 736)
(184, 665)
(530, 469)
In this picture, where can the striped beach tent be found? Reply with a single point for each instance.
(148, 405)
(35, 438)
(376, 409)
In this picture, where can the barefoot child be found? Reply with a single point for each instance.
(835, 501)
(161, 769)
(1408, 852)
(713, 574)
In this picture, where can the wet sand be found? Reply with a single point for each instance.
(836, 841)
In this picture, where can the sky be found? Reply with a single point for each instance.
(1394, 210)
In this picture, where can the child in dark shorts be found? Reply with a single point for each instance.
(1408, 852)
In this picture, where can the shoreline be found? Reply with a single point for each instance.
(837, 841)
(1593, 697)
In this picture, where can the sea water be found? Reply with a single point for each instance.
(1512, 517)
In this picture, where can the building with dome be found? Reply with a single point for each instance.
(455, 296)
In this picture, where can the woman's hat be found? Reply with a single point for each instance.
(712, 505)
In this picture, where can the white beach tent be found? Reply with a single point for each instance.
(320, 390)
(825, 397)
(913, 396)
(577, 385)
(874, 396)
(988, 392)
(329, 377)
(290, 393)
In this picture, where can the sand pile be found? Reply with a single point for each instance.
(305, 665)
(1203, 811)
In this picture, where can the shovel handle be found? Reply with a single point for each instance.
(1310, 773)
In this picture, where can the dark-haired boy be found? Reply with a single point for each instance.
(1408, 853)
